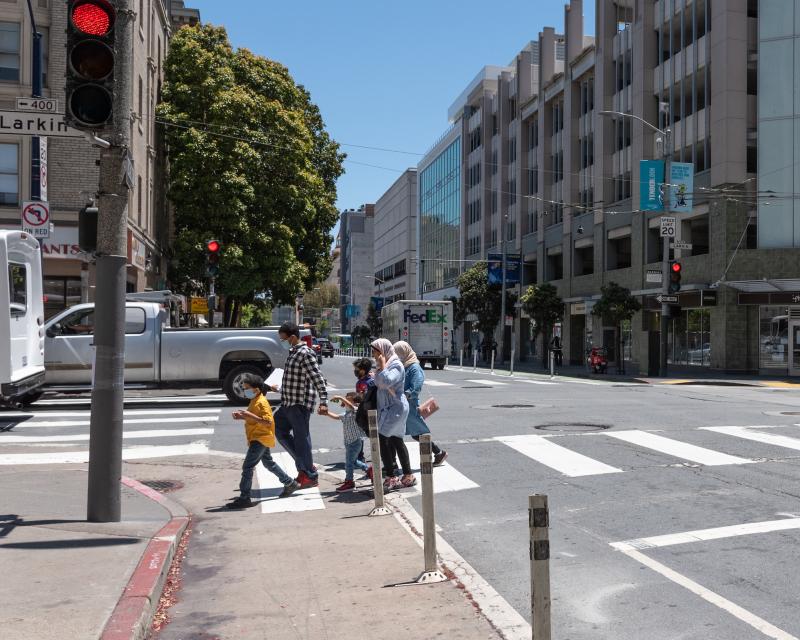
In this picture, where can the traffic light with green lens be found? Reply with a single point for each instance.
(675, 270)
(213, 248)
(90, 63)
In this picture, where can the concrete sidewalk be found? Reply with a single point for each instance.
(324, 573)
(62, 576)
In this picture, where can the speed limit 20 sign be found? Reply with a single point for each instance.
(36, 218)
(667, 227)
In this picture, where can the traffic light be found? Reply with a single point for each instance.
(87, 228)
(213, 248)
(90, 63)
(675, 277)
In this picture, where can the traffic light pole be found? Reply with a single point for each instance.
(105, 440)
(36, 92)
(665, 275)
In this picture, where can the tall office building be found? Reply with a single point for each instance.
(549, 176)
(356, 278)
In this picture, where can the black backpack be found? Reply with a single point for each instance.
(368, 402)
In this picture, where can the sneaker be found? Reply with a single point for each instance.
(240, 503)
(347, 485)
(289, 489)
(439, 458)
(369, 474)
(391, 484)
(307, 482)
(300, 477)
(408, 481)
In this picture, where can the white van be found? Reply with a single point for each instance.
(21, 319)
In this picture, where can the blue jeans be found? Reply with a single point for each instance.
(292, 431)
(351, 461)
(256, 453)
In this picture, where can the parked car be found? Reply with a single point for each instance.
(312, 344)
(325, 347)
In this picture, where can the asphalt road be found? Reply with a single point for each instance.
(620, 463)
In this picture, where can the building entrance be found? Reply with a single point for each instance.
(794, 344)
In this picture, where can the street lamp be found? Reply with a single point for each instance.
(667, 153)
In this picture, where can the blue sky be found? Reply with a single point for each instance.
(384, 73)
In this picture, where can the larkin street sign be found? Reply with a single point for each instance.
(36, 124)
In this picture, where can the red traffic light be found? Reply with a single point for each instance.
(213, 246)
(676, 267)
(93, 17)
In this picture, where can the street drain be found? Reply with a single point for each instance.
(513, 406)
(572, 427)
(164, 486)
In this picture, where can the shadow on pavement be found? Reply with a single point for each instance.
(71, 544)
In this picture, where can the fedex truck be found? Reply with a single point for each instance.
(21, 319)
(427, 325)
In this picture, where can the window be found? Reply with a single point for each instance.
(774, 339)
(60, 294)
(139, 199)
(689, 338)
(18, 288)
(141, 100)
(9, 174)
(9, 51)
(134, 320)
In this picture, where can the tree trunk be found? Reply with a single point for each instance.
(546, 348)
(237, 313)
(618, 342)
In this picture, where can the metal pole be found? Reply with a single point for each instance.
(492, 361)
(552, 363)
(431, 572)
(212, 295)
(461, 359)
(105, 430)
(539, 551)
(511, 370)
(503, 295)
(475, 360)
(380, 508)
(665, 197)
(36, 92)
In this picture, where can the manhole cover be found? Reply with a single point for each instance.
(164, 486)
(573, 427)
(513, 406)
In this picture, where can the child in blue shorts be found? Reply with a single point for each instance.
(353, 439)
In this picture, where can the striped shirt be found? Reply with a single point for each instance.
(301, 375)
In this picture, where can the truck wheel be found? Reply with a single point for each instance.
(29, 398)
(232, 385)
(441, 366)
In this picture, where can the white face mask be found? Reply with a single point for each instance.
(249, 393)
(285, 344)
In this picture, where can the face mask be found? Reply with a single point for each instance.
(285, 344)
(358, 374)
(249, 393)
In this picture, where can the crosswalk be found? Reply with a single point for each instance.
(148, 433)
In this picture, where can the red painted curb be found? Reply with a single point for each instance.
(131, 617)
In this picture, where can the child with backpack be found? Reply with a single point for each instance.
(353, 439)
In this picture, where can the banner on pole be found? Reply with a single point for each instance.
(681, 186)
(513, 268)
(651, 177)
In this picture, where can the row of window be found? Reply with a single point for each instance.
(10, 44)
(389, 273)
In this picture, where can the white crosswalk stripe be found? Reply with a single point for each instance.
(85, 423)
(675, 448)
(438, 383)
(445, 478)
(130, 453)
(746, 433)
(528, 381)
(564, 460)
(127, 435)
(270, 486)
(488, 382)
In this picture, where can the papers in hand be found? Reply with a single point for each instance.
(275, 378)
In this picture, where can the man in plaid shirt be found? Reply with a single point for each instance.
(301, 376)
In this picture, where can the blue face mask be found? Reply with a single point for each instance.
(249, 393)
(285, 344)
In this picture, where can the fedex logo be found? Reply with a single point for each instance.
(431, 315)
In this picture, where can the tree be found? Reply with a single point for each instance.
(484, 300)
(256, 314)
(616, 305)
(361, 335)
(374, 320)
(323, 296)
(251, 165)
(545, 307)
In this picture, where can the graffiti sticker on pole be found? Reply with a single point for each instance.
(36, 219)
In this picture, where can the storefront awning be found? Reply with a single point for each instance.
(764, 286)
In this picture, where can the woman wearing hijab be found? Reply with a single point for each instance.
(415, 378)
(392, 413)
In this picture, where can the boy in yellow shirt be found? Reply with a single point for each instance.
(259, 427)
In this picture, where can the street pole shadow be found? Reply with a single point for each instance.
(71, 544)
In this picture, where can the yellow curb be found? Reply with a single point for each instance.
(675, 381)
(782, 385)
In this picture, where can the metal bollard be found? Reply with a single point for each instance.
(511, 371)
(380, 508)
(492, 361)
(461, 359)
(475, 361)
(431, 572)
(539, 521)
(552, 365)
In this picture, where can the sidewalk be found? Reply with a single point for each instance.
(325, 573)
(63, 576)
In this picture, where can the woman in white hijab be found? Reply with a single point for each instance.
(392, 413)
(415, 378)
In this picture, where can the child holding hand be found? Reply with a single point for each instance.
(353, 439)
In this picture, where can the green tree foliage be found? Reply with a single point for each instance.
(374, 320)
(256, 314)
(250, 165)
(323, 296)
(545, 307)
(615, 306)
(484, 300)
(361, 334)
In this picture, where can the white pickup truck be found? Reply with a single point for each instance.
(156, 354)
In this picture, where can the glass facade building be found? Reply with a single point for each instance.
(440, 219)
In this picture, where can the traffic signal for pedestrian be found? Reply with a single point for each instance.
(675, 270)
(213, 248)
(87, 228)
(90, 63)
